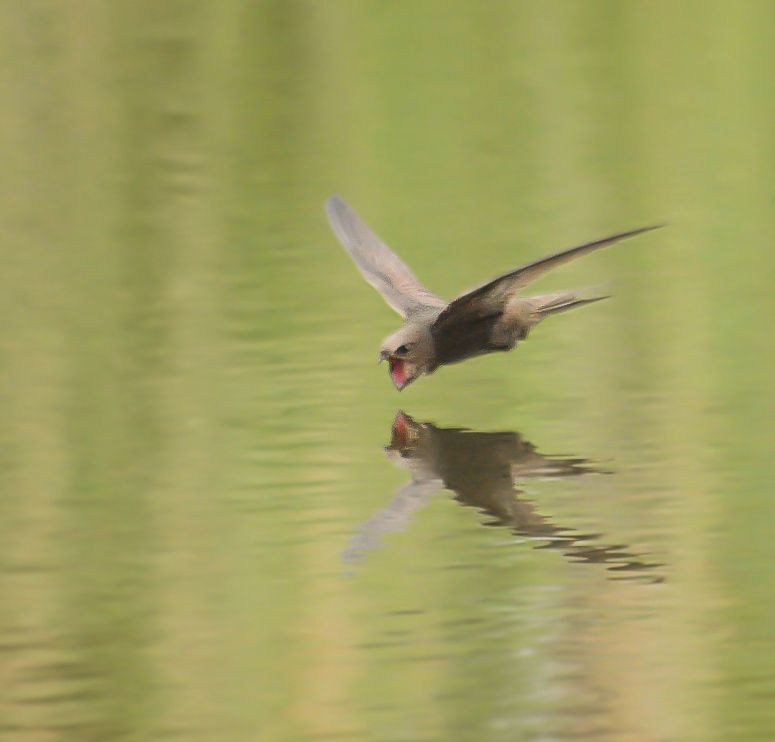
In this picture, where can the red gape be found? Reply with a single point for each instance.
(397, 372)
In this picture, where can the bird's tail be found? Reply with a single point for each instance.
(561, 301)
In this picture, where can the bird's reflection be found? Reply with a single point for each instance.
(483, 471)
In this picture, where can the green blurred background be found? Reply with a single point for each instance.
(192, 420)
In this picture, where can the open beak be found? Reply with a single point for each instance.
(398, 374)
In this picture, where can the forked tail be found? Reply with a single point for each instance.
(561, 301)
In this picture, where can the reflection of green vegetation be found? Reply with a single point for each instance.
(191, 415)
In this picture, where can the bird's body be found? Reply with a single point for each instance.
(492, 317)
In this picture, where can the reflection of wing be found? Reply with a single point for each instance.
(463, 315)
(380, 266)
(390, 519)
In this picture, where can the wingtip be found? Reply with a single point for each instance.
(633, 232)
(334, 202)
(651, 228)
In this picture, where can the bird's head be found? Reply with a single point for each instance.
(409, 353)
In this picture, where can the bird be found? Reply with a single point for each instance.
(492, 317)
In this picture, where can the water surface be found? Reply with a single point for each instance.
(202, 534)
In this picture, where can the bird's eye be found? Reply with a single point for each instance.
(403, 349)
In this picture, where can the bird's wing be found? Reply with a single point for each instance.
(488, 300)
(380, 266)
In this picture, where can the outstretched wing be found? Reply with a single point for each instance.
(380, 266)
(488, 300)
